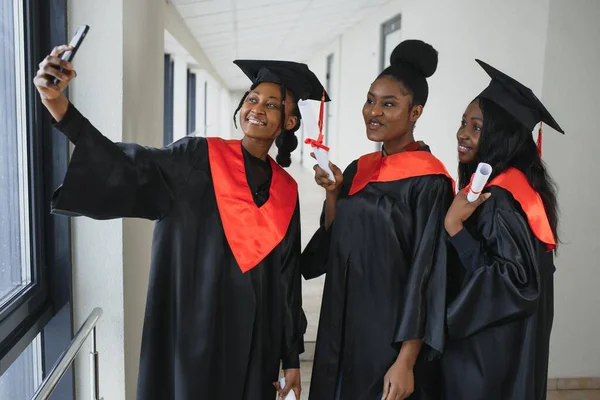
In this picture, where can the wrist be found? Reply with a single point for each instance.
(404, 362)
(332, 195)
(453, 226)
(58, 106)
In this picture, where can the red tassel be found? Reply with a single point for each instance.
(321, 115)
(539, 141)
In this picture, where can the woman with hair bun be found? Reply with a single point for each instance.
(381, 245)
(224, 302)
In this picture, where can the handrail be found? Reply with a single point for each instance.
(68, 356)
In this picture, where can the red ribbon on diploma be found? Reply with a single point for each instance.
(319, 142)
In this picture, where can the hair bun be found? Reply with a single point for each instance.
(417, 54)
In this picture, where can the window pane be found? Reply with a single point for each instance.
(15, 269)
(24, 376)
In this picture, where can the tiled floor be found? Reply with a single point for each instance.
(552, 395)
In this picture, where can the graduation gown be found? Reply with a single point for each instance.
(219, 319)
(385, 262)
(499, 324)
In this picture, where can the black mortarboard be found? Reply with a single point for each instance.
(518, 100)
(296, 77)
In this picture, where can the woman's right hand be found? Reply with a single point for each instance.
(322, 178)
(52, 95)
(50, 69)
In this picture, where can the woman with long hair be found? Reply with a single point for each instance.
(500, 320)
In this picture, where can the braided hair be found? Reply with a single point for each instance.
(286, 142)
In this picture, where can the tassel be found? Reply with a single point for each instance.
(539, 141)
(321, 115)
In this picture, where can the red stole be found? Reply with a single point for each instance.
(515, 182)
(374, 167)
(251, 231)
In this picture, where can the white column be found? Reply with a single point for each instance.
(111, 258)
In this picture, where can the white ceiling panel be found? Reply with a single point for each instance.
(267, 29)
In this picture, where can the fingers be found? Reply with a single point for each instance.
(393, 392)
(334, 168)
(483, 197)
(386, 389)
(43, 83)
(53, 72)
(313, 155)
(322, 177)
(58, 50)
(56, 62)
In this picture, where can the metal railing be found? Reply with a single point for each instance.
(68, 356)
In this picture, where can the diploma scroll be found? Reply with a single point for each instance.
(482, 174)
(311, 129)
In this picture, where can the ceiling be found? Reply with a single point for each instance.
(267, 29)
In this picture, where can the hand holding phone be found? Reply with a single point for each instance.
(74, 45)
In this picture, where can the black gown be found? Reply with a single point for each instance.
(499, 324)
(385, 262)
(210, 331)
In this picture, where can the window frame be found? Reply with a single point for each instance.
(30, 312)
(191, 102)
(169, 87)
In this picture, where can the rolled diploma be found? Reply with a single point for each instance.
(291, 395)
(482, 174)
(323, 160)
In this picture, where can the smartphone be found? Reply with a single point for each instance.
(75, 44)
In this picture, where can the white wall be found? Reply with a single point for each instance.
(98, 246)
(460, 31)
(570, 92)
(111, 258)
(236, 96)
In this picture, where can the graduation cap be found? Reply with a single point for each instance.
(296, 77)
(518, 100)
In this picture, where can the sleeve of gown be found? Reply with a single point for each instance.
(107, 180)
(502, 282)
(423, 310)
(315, 254)
(294, 319)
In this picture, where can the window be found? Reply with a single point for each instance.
(35, 266)
(15, 265)
(205, 130)
(24, 376)
(169, 98)
(328, 104)
(191, 102)
(390, 38)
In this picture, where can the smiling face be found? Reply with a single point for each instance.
(260, 115)
(469, 132)
(388, 111)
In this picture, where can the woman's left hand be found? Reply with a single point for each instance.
(292, 382)
(460, 210)
(399, 382)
